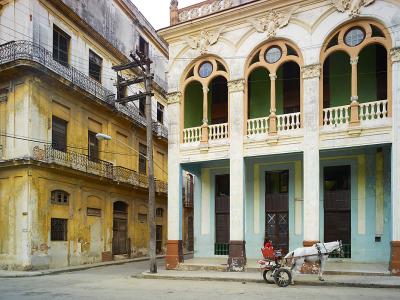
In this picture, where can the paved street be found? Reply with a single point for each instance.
(115, 282)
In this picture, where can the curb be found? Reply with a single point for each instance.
(257, 270)
(74, 268)
(251, 280)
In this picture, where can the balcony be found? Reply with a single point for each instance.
(370, 114)
(25, 50)
(260, 128)
(81, 162)
(213, 133)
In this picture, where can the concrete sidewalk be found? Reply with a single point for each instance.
(299, 279)
(17, 274)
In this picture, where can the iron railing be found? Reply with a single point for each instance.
(125, 175)
(81, 162)
(161, 187)
(346, 252)
(27, 50)
(221, 249)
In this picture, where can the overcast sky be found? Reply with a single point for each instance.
(157, 11)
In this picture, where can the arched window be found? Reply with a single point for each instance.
(205, 90)
(355, 74)
(274, 88)
(59, 197)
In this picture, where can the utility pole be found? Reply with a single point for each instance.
(142, 63)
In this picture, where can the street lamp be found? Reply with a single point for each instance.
(103, 137)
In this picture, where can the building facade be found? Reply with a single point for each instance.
(287, 113)
(66, 197)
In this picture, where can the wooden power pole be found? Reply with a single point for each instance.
(143, 63)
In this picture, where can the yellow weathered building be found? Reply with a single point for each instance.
(67, 198)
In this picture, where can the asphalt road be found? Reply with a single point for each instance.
(115, 282)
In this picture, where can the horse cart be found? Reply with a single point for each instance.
(278, 269)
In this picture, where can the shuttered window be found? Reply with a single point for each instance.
(60, 45)
(59, 134)
(142, 158)
(160, 113)
(142, 107)
(95, 63)
(93, 145)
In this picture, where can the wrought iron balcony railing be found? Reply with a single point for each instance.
(81, 162)
(27, 50)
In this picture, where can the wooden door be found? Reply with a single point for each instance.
(337, 204)
(159, 240)
(120, 228)
(190, 234)
(277, 209)
(222, 210)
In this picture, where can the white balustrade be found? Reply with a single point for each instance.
(373, 110)
(191, 135)
(337, 115)
(218, 131)
(288, 121)
(257, 126)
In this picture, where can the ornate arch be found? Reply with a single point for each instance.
(261, 57)
(203, 70)
(351, 38)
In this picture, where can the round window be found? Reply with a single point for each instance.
(273, 54)
(205, 69)
(354, 36)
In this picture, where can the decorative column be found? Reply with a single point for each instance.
(395, 243)
(272, 116)
(354, 106)
(174, 245)
(237, 244)
(204, 127)
(311, 176)
(173, 12)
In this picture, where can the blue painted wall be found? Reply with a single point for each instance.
(364, 247)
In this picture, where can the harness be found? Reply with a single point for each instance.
(320, 253)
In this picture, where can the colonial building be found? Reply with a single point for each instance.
(67, 198)
(287, 113)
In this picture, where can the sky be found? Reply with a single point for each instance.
(157, 11)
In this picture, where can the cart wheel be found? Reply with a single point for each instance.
(268, 277)
(283, 277)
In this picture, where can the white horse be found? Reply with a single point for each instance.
(316, 253)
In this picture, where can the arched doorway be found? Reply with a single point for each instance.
(120, 244)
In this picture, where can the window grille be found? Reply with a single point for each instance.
(159, 212)
(59, 197)
(59, 229)
(59, 134)
(95, 64)
(60, 46)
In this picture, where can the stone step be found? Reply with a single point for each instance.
(120, 257)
